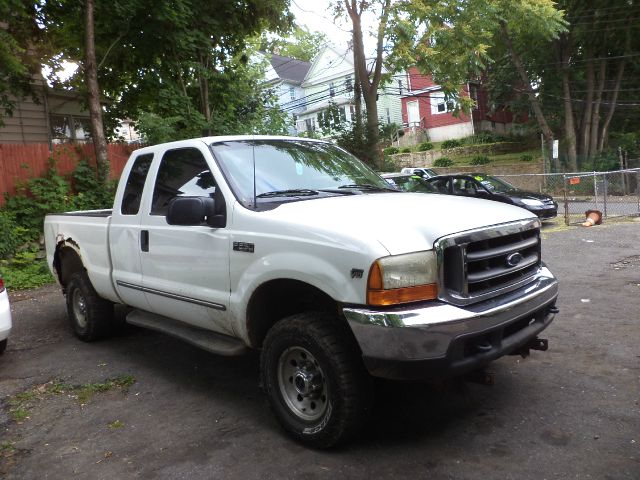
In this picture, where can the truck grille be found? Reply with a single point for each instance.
(484, 263)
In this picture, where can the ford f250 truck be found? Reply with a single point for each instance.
(294, 247)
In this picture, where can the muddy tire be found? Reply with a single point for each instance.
(91, 316)
(313, 375)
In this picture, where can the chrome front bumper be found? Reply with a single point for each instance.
(437, 339)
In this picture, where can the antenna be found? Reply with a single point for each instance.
(253, 151)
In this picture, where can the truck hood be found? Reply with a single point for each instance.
(401, 222)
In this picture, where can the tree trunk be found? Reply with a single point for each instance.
(357, 94)
(585, 124)
(93, 93)
(535, 104)
(595, 114)
(613, 98)
(564, 45)
(369, 82)
(204, 93)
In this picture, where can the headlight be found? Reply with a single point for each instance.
(403, 278)
(531, 202)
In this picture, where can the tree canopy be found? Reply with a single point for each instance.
(181, 65)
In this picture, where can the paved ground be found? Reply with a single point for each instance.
(571, 412)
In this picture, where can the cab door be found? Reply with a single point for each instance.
(185, 268)
(125, 236)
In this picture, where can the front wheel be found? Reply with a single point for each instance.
(90, 315)
(315, 380)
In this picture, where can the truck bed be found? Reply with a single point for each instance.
(87, 233)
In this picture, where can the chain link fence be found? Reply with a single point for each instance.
(615, 193)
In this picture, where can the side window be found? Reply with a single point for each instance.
(135, 184)
(182, 173)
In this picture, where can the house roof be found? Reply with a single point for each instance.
(289, 68)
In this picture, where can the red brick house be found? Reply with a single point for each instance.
(426, 114)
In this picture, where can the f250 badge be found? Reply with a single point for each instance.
(243, 247)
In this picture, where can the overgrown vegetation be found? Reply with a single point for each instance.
(443, 162)
(425, 146)
(21, 260)
(453, 143)
(480, 160)
(391, 150)
(21, 404)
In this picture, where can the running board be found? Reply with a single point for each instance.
(207, 340)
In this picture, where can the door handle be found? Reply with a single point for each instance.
(144, 240)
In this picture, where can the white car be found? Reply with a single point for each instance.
(423, 172)
(5, 317)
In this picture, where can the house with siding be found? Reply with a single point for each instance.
(285, 75)
(328, 86)
(53, 116)
(427, 115)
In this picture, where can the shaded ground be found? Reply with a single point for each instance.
(571, 412)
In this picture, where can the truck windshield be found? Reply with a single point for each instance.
(291, 169)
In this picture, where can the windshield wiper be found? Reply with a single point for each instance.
(369, 187)
(294, 192)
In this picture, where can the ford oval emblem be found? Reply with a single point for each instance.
(514, 259)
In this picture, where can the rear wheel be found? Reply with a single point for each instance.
(91, 316)
(314, 379)
(3, 346)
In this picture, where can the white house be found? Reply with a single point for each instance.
(329, 82)
(286, 74)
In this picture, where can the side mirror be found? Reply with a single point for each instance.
(193, 211)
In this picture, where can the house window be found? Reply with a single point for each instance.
(388, 116)
(439, 104)
(343, 114)
(352, 111)
(332, 90)
(347, 84)
(292, 93)
(309, 125)
(400, 88)
(69, 129)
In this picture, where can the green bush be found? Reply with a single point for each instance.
(405, 150)
(35, 198)
(25, 271)
(390, 165)
(487, 137)
(22, 217)
(451, 144)
(480, 160)
(390, 151)
(9, 238)
(425, 146)
(443, 162)
(526, 157)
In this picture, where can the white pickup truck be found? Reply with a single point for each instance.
(296, 248)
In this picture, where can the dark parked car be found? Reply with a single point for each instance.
(409, 183)
(481, 185)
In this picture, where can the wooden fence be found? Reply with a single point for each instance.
(21, 162)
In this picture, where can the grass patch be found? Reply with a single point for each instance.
(115, 425)
(21, 275)
(84, 393)
(7, 448)
(21, 403)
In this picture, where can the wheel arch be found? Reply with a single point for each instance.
(280, 298)
(67, 261)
